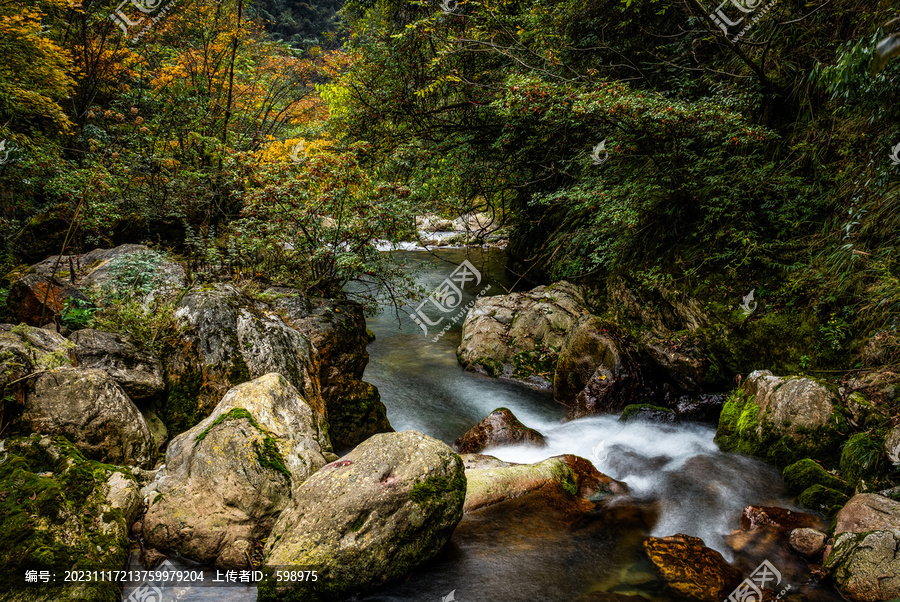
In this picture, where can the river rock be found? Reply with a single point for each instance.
(684, 364)
(690, 569)
(58, 512)
(567, 476)
(91, 410)
(779, 519)
(808, 542)
(501, 427)
(868, 512)
(337, 331)
(596, 371)
(518, 335)
(227, 340)
(137, 371)
(227, 478)
(781, 420)
(383, 509)
(648, 413)
(37, 300)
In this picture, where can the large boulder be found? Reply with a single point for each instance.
(60, 512)
(386, 507)
(501, 427)
(91, 410)
(228, 478)
(37, 300)
(690, 569)
(26, 350)
(101, 267)
(137, 371)
(597, 371)
(782, 419)
(226, 340)
(491, 482)
(337, 331)
(519, 335)
(865, 559)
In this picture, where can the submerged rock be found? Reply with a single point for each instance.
(228, 478)
(501, 427)
(647, 413)
(690, 569)
(781, 419)
(519, 335)
(90, 409)
(383, 509)
(779, 519)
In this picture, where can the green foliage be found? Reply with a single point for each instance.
(77, 313)
(862, 457)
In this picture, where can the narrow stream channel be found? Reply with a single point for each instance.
(522, 553)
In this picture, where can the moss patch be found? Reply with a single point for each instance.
(267, 454)
(822, 499)
(807, 472)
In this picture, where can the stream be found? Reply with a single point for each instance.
(522, 553)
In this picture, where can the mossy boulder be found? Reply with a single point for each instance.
(866, 566)
(805, 473)
(569, 478)
(782, 420)
(518, 335)
(500, 427)
(227, 339)
(383, 509)
(823, 499)
(90, 409)
(227, 478)
(58, 512)
(647, 412)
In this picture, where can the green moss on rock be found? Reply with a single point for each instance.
(823, 499)
(805, 473)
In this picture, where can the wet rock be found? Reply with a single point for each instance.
(808, 542)
(779, 519)
(477, 461)
(91, 410)
(230, 476)
(152, 558)
(501, 427)
(138, 372)
(567, 475)
(823, 499)
(690, 569)
(647, 413)
(517, 335)
(383, 509)
(781, 420)
(58, 512)
(337, 331)
(36, 300)
(705, 407)
(805, 473)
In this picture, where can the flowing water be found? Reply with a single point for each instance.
(526, 553)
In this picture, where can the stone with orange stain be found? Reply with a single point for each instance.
(37, 300)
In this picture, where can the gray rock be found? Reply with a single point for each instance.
(866, 566)
(790, 403)
(93, 412)
(235, 556)
(868, 512)
(501, 427)
(808, 542)
(98, 267)
(25, 350)
(892, 445)
(388, 506)
(498, 328)
(138, 372)
(685, 367)
(229, 477)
